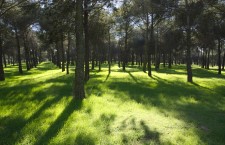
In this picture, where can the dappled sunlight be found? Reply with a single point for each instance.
(120, 108)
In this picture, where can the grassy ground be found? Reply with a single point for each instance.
(120, 108)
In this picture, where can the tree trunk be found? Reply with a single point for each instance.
(109, 52)
(223, 61)
(79, 71)
(2, 75)
(58, 60)
(170, 59)
(27, 57)
(152, 40)
(125, 56)
(219, 56)
(93, 58)
(68, 54)
(18, 52)
(86, 40)
(62, 54)
(208, 62)
(4, 59)
(188, 57)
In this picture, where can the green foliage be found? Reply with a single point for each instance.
(120, 108)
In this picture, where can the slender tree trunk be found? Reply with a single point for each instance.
(189, 69)
(152, 40)
(2, 75)
(79, 71)
(125, 56)
(132, 58)
(99, 62)
(219, 56)
(86, 40)
(170, 59)
(4, 59)
(223, 61)
(156, 52)
(208, 62)
(34, 58)
(68, 54)
(26, 52)
(212, 59)
(18, 52)
(58, 60)
(109, 52)
(62, 54)
(164, 59)
(93, 57)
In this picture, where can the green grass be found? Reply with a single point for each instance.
(121, 108)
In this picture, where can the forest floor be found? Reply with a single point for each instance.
(121, 108)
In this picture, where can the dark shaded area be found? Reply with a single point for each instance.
(149, 136)
(84, 139)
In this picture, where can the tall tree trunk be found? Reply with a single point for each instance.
(62, 54)
(156, 52)
(68, 54)
(149, 48)
(4, 59)
(2, 75)
(18, 52)
(86, 40)
(27, 57)
(93, 57)
(58, 60)
(164, 59)
(223, 61)
(79, 71)
(170, 59)
(212, 59)
(208, 60)
(188, 57)
(125, 56)
(132, 57)
(109, 52)
(219, 56)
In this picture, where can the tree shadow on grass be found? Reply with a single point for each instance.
(19, 98)
(179, 97)
(145, 134)
(52, 131)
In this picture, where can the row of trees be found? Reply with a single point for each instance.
(92, 32)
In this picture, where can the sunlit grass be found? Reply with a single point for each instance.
(120, 108)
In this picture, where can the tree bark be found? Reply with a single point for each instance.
(86, 40)
(2, 75)
(18, 52)
(79, 71)
(149, 48)
(188, 57)
(109, 52)
(219, 56)
(68, 54)
(27, 57)
(62, 54)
